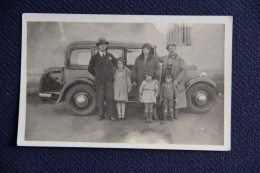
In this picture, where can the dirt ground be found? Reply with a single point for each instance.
(52, 122)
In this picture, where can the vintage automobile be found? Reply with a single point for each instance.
(75, 86)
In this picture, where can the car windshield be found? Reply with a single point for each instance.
(80, 57)
(132, 54)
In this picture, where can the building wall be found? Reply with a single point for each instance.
(47, 42)
(207, 47)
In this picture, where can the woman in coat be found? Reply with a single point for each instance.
(145, 61)
(173, 64)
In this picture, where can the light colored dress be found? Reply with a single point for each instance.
(148, 91)
(122, 84)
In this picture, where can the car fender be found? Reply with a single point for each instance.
(42, 83)
(69, 85)
(200, 80)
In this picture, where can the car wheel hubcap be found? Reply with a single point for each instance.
(201, 98)
(81, 100)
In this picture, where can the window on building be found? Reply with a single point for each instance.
(179, 34)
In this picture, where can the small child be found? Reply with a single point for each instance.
(148, 94)
(122, 86)
(167, 93)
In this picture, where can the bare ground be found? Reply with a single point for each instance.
(52, 122)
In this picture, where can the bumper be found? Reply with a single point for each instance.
(45, 95)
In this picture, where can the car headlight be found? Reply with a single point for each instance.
(203, 74)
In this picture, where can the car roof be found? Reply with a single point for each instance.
(92, 44)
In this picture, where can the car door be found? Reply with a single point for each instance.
(78, 67)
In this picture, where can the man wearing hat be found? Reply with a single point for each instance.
(174, 65)
(101, 66)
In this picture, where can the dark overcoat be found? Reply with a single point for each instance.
(178, 72)
(140, 66)
(102, 68)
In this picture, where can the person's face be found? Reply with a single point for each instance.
(120, 64)
(148, 77)
(171, 49)
(102, 47)
(146, 51)
(168, 80)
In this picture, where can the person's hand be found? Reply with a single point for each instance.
(129, 89)
(175, 83)
(156, 81)
(176, 100)
(156, 95)
(134, 83)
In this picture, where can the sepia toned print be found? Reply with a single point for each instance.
(126, 83)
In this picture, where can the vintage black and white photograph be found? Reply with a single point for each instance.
(121, 81)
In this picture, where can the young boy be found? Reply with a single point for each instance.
(168, 93)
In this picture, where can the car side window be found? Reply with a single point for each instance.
(132, 54)
(80, 57)
(116, 52)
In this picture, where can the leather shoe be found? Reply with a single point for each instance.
(100, 118)
(155, 117)
(113, 118)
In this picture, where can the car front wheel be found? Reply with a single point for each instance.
(81, 100)
(200, 98)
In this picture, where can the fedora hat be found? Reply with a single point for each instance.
(101, 40)
(170, 44)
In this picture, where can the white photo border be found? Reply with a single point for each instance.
(37, 17)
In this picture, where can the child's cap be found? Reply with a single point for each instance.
(168, 76)
(120, 59)
(149, 72)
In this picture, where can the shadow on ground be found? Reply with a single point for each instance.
(51, 122)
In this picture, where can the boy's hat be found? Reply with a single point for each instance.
(149, 72)
(170, 44)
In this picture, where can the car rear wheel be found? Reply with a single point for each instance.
(200, 98)
(81, 100)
